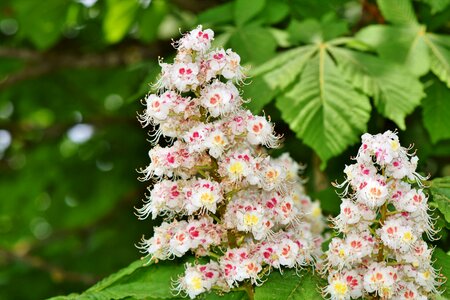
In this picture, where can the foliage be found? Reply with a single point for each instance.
(325, 71)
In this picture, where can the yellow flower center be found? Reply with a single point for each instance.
(317, 212)
(407, 236)
(236, 168)
(340, 288)
(196, 283)
(386, 291)
(250, 219)
(207, 197)
(395, 145)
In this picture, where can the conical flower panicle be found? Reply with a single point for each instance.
(384, 214)
(221, 194)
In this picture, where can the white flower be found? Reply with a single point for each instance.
(220, 98)
(260, 132)
(198, 39)
(205, 194)
(372, 192)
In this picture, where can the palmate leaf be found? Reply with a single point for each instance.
(385, 82)
(404, 45)
(411, 46)
(324, 109)
(436, 111)
(274, 76)
(397, 12)
(281, 59)
(281, 77)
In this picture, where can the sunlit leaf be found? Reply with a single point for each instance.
(323, 109)
(118, 18)
(440, 56)
(383, 81)
(150, 19)
(403, 45)
(398, 12)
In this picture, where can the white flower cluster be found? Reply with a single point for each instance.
(382, 220)
(221, 194)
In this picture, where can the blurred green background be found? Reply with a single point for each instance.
(72, 73)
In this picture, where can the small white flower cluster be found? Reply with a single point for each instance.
(382, 220)
(220, 192)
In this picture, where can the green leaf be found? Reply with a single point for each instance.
(136, 281)
(314, 31)
(274, 11)
(329, 200)
(442, 263)
(245, 10)
(440, 190)
(253, 43)
(150, 19)
(315, 9)
(443, 204)
(283, 76)
(436, 111)
(281, 59)
(139, 281)
(276, 75)
(281, 36)
(437, 5)
(217, 15)
(403, 45)
(259, 93)
(42, 23)
(399, 12)
(108, 281)
(411, 46)
(382, 80)
(440, 56)
(289, 286)
(241, 295)
(118, 18)
(324, 109)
